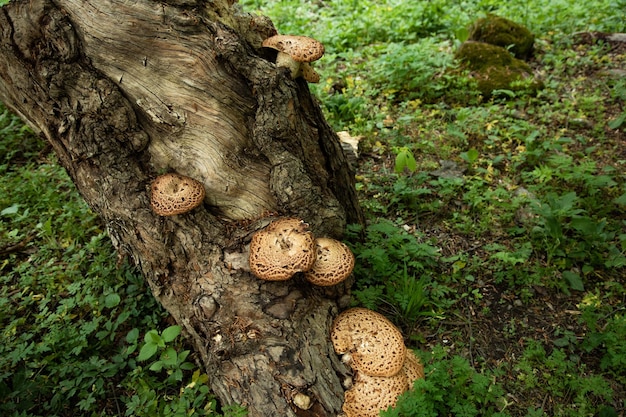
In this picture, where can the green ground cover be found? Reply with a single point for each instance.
(496, 237)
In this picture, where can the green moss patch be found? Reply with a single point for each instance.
(494, 68)
(496, 30)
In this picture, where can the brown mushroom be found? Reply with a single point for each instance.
(175, 194)
(412, 368)
(370, 394)
(296, 53)
(334, 262)
(372, 343)
(280, 250)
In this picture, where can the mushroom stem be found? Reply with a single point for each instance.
(285, 60)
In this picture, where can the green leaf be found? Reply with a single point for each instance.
(470, 156)
(153, 337)
(561, 342)
(621, 200)
(574, 280)
(132, 336)
(169, 357)
(183, 355)
(618, 121)
(585, 225)
(462, 34)
(10, 210)
(156, 366)
(147, 351)
(170, 333)
(405, 159)
(112, 300)
(187, 366)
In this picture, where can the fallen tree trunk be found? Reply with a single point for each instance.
(125, 90)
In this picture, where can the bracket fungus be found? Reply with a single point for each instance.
(280, 250)
(374, 349)
(413, 368)
(334, 262)
(173, 193)
(375, 346)
(296, 53)
(370, 394)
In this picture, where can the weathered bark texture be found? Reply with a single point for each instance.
(124, 90)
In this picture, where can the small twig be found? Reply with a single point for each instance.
(17, 247)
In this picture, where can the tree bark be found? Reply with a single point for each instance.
(125, 90)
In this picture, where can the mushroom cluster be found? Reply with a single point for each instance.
(296, 53)
(173, 193)
(374, 348)
(286, 247)
(368, 342)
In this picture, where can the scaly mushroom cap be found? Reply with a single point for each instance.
(280, 250)
(370, 394)
(413, 368)
(374, 344)
(334, 262)
(300, 48)
(175, 194)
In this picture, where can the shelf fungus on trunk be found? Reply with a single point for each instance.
(284, 247)
(384, 368)
(334, 262)
(173, 193)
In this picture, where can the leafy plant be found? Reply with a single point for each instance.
(451, 387)
(404, 160)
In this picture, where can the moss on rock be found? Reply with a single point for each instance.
(496, 30)
(494, 68)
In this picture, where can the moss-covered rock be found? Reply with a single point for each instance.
(494, 68)
(496, 30)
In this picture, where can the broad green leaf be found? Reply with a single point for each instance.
(169, 357)
(405, 159)
(132, 336)
(470, 156)
(585, 225)
(462, 34)
(12, 209)
(574, 280)
(112, 300)
(156, 366)
(170, 333)
(153, 337)
(147, 351)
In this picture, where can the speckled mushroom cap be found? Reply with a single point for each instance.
(375, 345)
(173, 193)
(280, 250)
(370, 394)
(300, 48)
(413, 368)
(334, 262)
